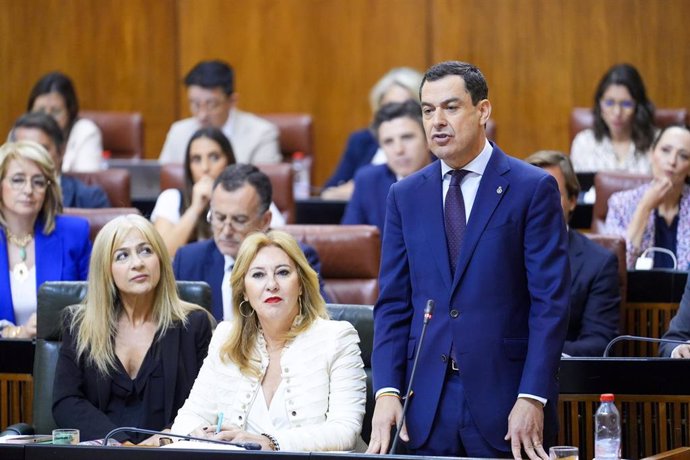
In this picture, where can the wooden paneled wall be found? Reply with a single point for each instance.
(541, 57)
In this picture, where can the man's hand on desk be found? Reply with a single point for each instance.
(387, 414)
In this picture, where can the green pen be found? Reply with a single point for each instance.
(220, 422)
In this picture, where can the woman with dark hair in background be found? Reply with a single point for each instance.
(623, 126)
(54, 94)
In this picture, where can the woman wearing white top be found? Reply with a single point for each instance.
(180, 215)
(54, 95)
(282, 374)
(623, 126)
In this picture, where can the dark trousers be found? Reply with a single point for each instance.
(453, 432)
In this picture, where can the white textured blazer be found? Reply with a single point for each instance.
(253, 139)
(84, 148)
(325, 388)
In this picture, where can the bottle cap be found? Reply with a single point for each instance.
(298, 156)
(607, 397)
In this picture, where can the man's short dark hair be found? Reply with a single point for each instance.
(236, 176)
(212, 74)
(408, 109)
(473, 77)
(42, 121)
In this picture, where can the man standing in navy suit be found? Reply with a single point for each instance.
(483, 235)
(400, 133)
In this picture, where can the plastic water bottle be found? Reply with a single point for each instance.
(607, 435)
(300, 167)
(105, 159)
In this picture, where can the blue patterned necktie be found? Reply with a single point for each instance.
(454, 216)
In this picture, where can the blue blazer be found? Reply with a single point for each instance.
(76, 194)
(361, 148)
(61, 256)
(595, 297)
(202, 261)
(368, 203)
(506, 308)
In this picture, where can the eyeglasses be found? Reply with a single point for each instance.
(218, 221)
(18, 182)
(210, 105)
(611, 103)
(53, 111)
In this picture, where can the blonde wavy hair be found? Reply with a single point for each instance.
(95, 320)
(405, 77)
(239, 347)
(34, 152)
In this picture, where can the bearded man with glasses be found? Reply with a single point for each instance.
(239, 206)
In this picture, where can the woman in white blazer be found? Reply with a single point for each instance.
(280, 374)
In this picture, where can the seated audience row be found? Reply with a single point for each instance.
(130, 357)
(36, 242)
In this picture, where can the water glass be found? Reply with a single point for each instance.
(66, 436)
(563, 453)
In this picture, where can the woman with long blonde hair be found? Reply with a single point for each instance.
(282, 374)
(132, 349)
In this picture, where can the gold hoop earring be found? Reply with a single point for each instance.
(250, 307)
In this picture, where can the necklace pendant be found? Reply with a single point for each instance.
(20, 271)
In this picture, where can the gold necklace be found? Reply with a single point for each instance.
(20, 270)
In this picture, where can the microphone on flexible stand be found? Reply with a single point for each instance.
(637, 338)
(428, 313)
(130, 429)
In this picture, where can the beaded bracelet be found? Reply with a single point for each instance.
(273, 442)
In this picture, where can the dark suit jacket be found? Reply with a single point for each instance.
(202, 261)
(679, 329)
(81, 393)
(505, 310)
(61, 256)
(76, 194)
(361, 148)
(368, 203)
(595, 297)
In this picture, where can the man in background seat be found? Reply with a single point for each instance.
(595, 295)
(213, 102)
(239, 206)
(399, 131)
(43, 129)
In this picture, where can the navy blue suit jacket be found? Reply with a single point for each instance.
(61, 256)
(81, 393)
(595, 297)
(76, 194)
(368, 203)
(202, 261)
(505, 310)
(361, 148)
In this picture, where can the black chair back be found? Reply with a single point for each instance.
(362, 318)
